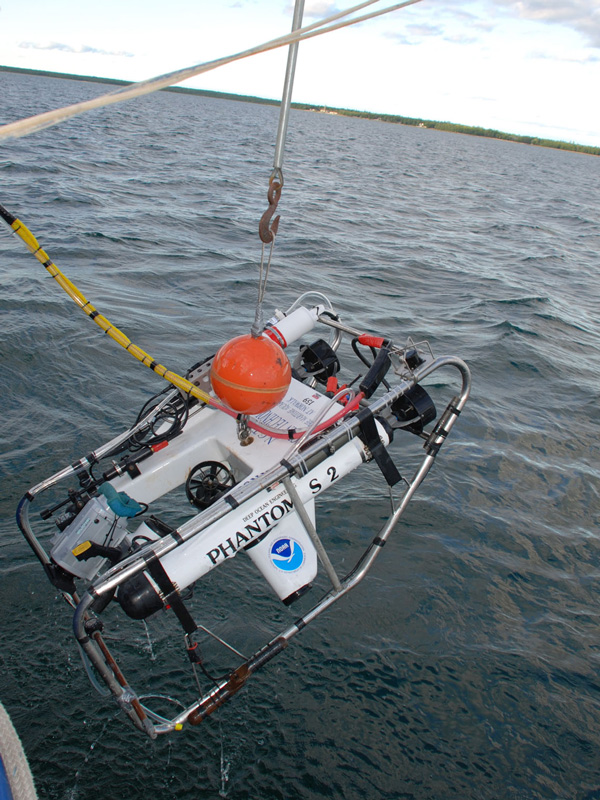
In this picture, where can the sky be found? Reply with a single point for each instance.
(528, 67)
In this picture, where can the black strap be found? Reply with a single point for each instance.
(170, 594)
(370, 436)
(7, 216)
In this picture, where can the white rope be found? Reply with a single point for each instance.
(47, 119)
(14, 760)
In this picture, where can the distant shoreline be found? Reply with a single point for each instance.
(452, 127)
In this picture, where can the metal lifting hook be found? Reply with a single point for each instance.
(266, 233)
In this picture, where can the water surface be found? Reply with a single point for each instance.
(466, 664)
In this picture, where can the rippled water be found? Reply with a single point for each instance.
(466, 664)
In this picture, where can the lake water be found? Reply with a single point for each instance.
(466, 665)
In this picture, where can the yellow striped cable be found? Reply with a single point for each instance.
(118, 336)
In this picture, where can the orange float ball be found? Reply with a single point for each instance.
(251, 374)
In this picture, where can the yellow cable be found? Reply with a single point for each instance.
(118, 336)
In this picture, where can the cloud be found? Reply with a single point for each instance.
(460, 38)
(581, 58)
(422, 31)
(67, 48)
(452, 23)
(414, 33)
(582, 16)
(319, 9)
(425, 30)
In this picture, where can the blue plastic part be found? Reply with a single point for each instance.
(5, 790)
(120, 502)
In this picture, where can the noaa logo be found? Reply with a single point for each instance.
(287, 555)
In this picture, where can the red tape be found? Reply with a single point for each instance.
(371, 341)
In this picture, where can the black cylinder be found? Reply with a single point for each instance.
(138, 598)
